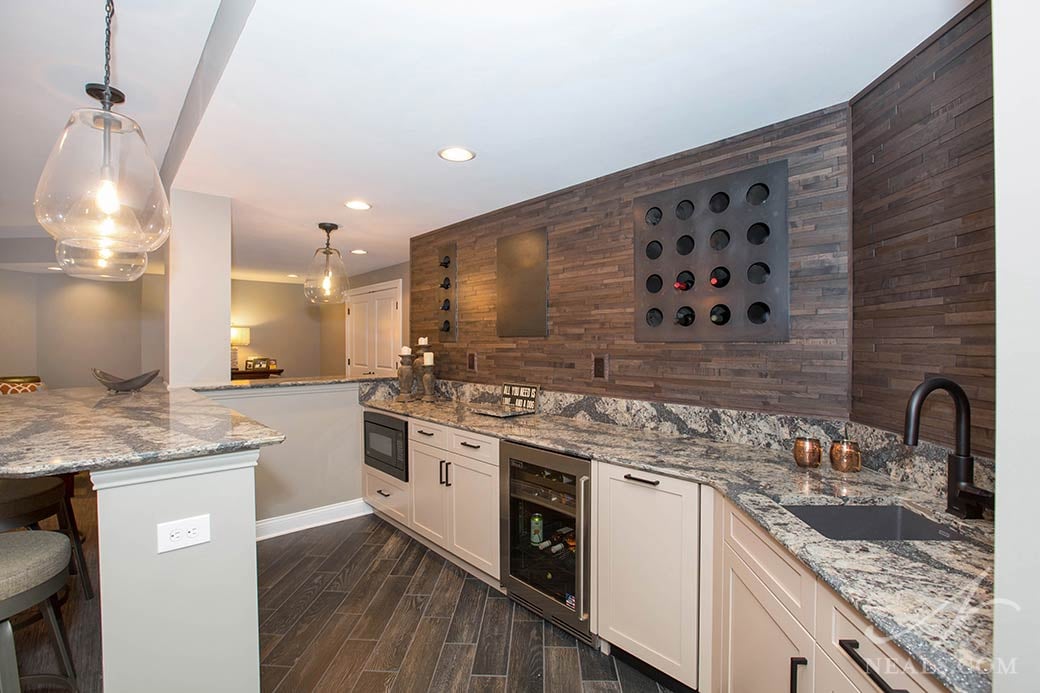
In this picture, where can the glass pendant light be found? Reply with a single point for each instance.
(101, 264)
(326, 280)
(100, 189)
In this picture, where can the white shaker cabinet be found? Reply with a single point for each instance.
(426, 469)
(648, 539)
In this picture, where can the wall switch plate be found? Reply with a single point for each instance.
(180, 534)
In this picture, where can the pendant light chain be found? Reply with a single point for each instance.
(110, 10)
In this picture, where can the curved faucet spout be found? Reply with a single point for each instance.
(912, 425)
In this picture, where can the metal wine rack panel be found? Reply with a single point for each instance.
(711, 260)
(448, 294)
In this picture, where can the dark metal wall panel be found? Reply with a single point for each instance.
(523, 284)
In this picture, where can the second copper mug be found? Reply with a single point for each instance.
(846, 456)
(807, 452)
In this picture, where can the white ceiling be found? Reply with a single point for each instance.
(51, 48)
(327, 101)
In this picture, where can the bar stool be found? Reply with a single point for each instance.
(34, 568)
(24, 502)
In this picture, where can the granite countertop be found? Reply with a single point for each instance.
(934, 599)
(258, 383)
(87, 428)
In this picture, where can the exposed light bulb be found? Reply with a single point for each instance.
(102, 262)
(107, 197)
(326, 285)
(107, 227)
(105, 253)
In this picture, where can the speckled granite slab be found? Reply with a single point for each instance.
(86, 428)
(260, 383)
(933, 599)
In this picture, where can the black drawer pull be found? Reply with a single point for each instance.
(851, 648)
(654, 482)
(469, 445)
(442, 477)
(795, 663)
(424, 433)
(383, 493)
(447, 471)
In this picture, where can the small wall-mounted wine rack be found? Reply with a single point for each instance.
(447, 293)
(711, 260)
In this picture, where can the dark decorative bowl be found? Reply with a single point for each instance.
(116, 384)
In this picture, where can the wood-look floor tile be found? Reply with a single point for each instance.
(452, 672)
(393, 644)
(488, 684)
(340, 557)
(298, 576)
(304, 631)
(562, 672)
(357, 566)
(315, 660)
(526, 666)
(493, 646)
(446, 593)
(394, 546)
(595, 666)
(375, 681)
(421, 659)
(381, 533)
(272, 572)
(557, 637)
(327, 537)
(469, 612)
(427, 574)
(270, 677)
(633, 681)
(365, 590)
(600, 687)
(410, 559)
(268, 641)
(287, 614)
(372, 624)
(346, 666)
(525, 614)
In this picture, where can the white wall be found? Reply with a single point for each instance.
(18, 312)
(282, 325)
(1016, 102)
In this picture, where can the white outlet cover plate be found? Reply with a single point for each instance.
(180, 534)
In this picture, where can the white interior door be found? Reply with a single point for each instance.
(374, 330)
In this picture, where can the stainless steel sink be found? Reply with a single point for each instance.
(871, 523)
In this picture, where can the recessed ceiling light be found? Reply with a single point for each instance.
(358, 251)
(293, 276)
(456, 154)
(54, 269)
(359, 205)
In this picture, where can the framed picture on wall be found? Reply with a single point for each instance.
(260, 364)
(249, 364)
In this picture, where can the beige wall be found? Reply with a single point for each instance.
(18, 310)
(153, 321)
(333, 318)
(282, 325)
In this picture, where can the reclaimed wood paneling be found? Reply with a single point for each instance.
(923, 233)
(590, 285)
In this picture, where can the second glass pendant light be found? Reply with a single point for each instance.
(326, 280)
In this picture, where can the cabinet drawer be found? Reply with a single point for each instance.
(474, 446)
(791, 582)
(430, 434)
(389, 496)
(829, 678)
(836, 621)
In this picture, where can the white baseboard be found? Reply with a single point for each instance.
(315, 517)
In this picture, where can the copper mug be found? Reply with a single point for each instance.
(807, 452)
(846, 456)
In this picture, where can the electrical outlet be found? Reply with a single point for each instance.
(600, 364)
(471, 361)
(180, 534)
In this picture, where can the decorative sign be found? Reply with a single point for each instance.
(520, 396)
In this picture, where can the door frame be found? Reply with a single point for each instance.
(397, 285)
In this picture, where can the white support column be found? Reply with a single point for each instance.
(183, 620)
(198, 290)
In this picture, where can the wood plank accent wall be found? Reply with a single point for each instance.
(590, 285)
(923, 233)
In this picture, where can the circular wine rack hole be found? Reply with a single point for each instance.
(757, 194)
(758, 273)
(719, 202)
(719, 239)
(757, 233)
(684, 246)
(685, 316)
(654, 216)
(654, 283)
(654, 317)
(684, 210)
(684, 281)
(719, 314)
(719, 277)
(654, 249)
(758, 313)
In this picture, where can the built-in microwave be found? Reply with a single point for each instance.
(386, 444)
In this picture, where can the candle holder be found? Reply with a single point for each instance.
(417, 366)
(405, 378)
(428, 382)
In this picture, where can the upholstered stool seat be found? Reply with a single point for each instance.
(34, 567)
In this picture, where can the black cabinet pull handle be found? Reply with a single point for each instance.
(654, 482)
(424, 433)
(795, 663)
(447, 471)
(442, 477)
(851, 648)
(469, 445)
(383, 493)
